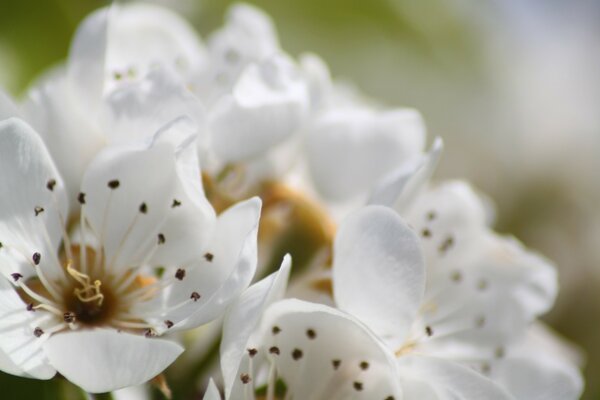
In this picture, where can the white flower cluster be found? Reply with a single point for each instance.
(132, 179)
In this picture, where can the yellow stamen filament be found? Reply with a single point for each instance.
(89, 291)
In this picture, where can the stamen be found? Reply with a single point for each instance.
(37, 297)
(90, 291)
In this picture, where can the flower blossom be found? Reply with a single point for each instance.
(89, 296)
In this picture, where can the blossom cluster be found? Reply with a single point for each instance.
(136, 176)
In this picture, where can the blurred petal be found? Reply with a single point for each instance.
(427, 378)
(267, 105)
(350, 149)
(378, 271)
(400, 187)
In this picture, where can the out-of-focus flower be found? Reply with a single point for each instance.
(88, 296)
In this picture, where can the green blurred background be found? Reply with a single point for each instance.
(511, 85)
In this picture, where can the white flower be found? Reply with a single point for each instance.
(116, 86)
(87, 296)
(311, 350)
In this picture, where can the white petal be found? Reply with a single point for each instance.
(318, 78)
(320, 336)
(267, 105)
(378, 271)
(105, 360)
(229, 271)
(142, 36)
(154, 177)
(70, 132)
(20, 350)
(248, 36)
(243, 318)
(87, 58)
(539, 378)
(540, 367)
(137, 110)
(26, 169)
(350, 149)
(427, 378)
(144, 176)
(399, 188)
(212, 393)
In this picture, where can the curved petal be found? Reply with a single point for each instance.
(105, 360)
(87, 60)
(540, 367)
(267, 105)
(378, 271)
(225, 271)
(70, 132)
(133, 198)
(20, 350)
(428, 378)
(243, 317)
(116, 45)
(350, 149)
(142, 36)
(399, 188)
(248, 36)
(137, 110)
(324, 353)
(32, 215)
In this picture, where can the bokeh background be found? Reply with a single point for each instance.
(513, 87)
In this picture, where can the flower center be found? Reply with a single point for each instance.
(87, 301)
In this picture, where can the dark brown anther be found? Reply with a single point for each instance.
(37, 332)
(81, 198)
(195, 296)
(114, 184)
(209, 257)
(16, 276)
(426, 233)
(274, 350)
(161, 238)
(297, 354)
(38, 210)
(245, 378)
(50, 184)
(428, 330)
(252, 352)
(358, 386)
(169, 324)
(30, 307)
(149, 333)
(364, 365)
(69, 317)
(180, 274)
(311, 334)
(275, 330)
(143, 208)
(336, 363)
(37, 257)
(176, 203)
